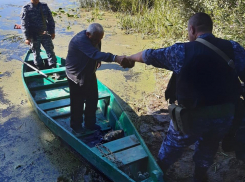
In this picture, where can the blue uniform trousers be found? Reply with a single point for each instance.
(206, 135)
(47, 43)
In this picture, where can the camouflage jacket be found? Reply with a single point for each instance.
(36, 19)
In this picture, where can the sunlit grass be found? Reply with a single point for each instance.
(167, 20)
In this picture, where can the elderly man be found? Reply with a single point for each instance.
(83, 58)
(38, 27)
(206, 83)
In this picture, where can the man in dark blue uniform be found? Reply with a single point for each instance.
(204, 80)
(83, 58)
(38, 27)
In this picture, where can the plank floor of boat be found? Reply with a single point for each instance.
(127, 150)
(125, 153)
(91, 138)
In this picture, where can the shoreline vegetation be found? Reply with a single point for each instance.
(167, 20)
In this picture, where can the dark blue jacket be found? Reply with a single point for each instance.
(82, 57)
(210, 80)
(205, 78)
(36, 19)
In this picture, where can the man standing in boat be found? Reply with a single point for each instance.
(83, 58)
(207, 86)
(38, 26)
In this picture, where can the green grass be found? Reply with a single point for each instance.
(167, 20)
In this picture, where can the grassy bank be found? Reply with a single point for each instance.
(167, 20)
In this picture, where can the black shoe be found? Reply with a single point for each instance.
(94, 127)
(78, 131)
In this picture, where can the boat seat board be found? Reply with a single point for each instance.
(55, 104)
(45, 83)
(62, 102)
(131, 155)
(47, 95)
(47, 71)
(121, 144)
(42, 54)
(64, 111)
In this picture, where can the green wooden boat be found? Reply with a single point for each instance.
(121, 160)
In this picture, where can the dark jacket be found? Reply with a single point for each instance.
(36, 19)
(205, 78)
(82, 57)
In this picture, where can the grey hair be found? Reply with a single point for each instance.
(95, 27)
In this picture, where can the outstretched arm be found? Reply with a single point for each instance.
(129, 61)
(136, 57)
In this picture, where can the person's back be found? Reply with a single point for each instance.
(75, 62)
(79, 60)
(206, 85)
(206, 78)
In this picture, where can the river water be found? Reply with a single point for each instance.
(28, 150)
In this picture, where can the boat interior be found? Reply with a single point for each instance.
(52, 98)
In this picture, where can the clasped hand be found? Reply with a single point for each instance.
(124, 61)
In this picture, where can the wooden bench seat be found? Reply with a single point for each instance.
(61, 107)
(54, 102)
(127, 150)
(60, 112)
(45, 83)
(131, 155)
(46, 71)
(52, 94)
(120, 144)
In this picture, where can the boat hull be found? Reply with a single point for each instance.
(127, 156)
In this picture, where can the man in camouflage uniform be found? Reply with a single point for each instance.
(38, 27)
(204, 80)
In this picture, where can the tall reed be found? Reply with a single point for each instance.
(168, 19)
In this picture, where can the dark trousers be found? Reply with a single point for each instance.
(47, 43)
(206, 135)
(79, 95)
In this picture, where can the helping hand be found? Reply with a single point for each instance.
(124, 61)
(127, 63)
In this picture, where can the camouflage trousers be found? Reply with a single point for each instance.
(206, 135)
(46, 41)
